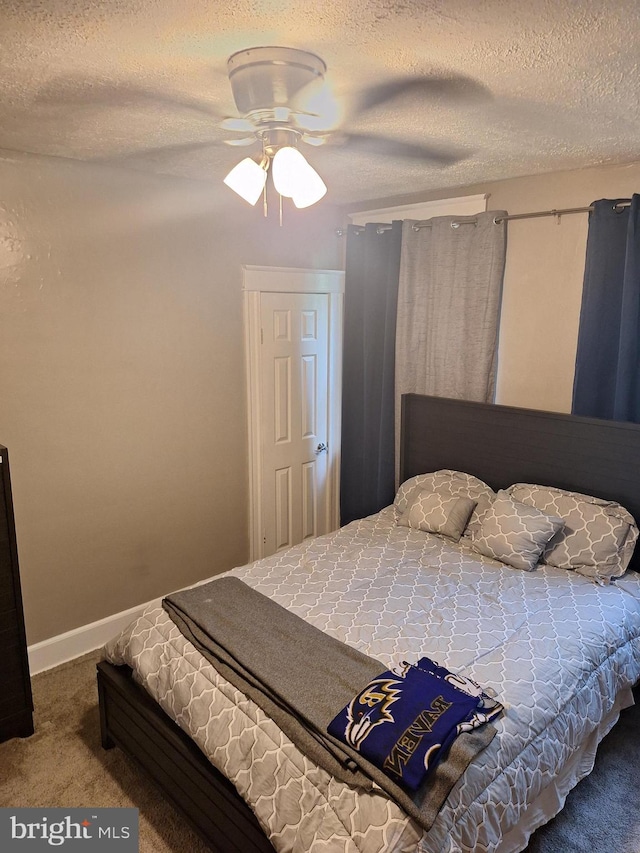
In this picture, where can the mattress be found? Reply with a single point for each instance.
(560, 651)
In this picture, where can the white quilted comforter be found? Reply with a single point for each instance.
(556, 648)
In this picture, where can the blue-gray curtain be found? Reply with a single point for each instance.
(607, 376)
(367, 476)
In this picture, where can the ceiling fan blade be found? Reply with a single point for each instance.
(109, 93)
(164, 151)
(457, 88)
(247, 140)
(314, 140)
(316, 108)
(237, 125)
(385, 146)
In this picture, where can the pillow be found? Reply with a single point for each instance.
(515, 533)
(598, 537)
(450, 484)
(436, 513)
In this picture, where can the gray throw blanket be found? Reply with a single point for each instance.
(302, 677)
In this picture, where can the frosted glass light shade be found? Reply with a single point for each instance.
(311, 191)
(288, 164)
(247, 179)
(294, 178)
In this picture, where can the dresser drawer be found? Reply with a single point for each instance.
(14, 697)
(14, 683)
(8, 623)
(17, 725)
(5, 562)
(11, 653)
(7, 601)
(16, 705)
(6, 569)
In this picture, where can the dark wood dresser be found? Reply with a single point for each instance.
(16, 705)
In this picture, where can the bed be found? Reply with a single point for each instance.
(580, 638)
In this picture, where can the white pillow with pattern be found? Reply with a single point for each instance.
(515, 533)
(435, 513)
(451, 484)
(598, 537)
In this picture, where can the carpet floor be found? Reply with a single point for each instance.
(63, 764)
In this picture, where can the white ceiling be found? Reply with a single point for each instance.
(120, 80)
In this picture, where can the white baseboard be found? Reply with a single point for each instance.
(79, 641)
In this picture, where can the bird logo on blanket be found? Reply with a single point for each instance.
(488, 706)
(370, 708)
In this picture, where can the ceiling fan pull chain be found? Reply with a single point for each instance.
(281, 211)
(264, 200)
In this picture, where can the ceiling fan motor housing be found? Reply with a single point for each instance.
(265, 78)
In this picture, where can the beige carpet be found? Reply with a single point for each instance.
(63, 764)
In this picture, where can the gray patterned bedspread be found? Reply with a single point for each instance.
(555, 647)
(302, 677)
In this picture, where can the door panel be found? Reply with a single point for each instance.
(294, 377)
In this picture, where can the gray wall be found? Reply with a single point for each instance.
(122, 388)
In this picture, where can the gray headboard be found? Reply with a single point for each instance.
(503, 445)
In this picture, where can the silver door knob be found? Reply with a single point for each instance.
(321, 448)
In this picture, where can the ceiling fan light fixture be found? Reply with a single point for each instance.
(247, 179)
(294, 178)
(311, 191)
(287, 163)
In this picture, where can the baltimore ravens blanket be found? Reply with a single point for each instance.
(303, 678)
(405, 720)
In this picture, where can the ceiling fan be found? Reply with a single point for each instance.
(284, 102)
(284, 105)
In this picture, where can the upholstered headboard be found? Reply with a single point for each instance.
(503, 445)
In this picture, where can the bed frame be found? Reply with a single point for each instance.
(499, 444)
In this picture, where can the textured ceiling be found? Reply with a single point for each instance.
(142, 83)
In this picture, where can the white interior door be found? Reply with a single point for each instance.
(294, 393)
(293, 325)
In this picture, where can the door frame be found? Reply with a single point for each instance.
(257, 280)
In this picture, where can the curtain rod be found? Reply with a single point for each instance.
(426, 223)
